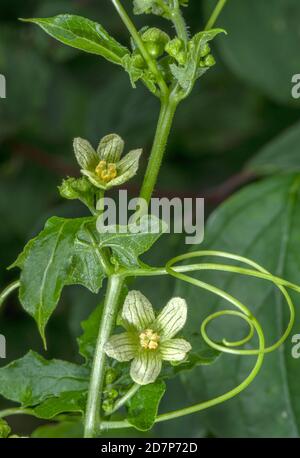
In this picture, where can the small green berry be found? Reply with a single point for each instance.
(155, 40)
(153, 49)
(110, 376)
(112, 394)
(205, 50)
(209, 61)
(181, 58)
(107, 405)
(174, 46)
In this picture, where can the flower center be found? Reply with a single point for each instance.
(106, 171)
(149, 339)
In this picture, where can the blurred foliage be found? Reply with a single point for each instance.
(55, 93)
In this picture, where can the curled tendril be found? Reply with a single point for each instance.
(8, 290)
(243, 313)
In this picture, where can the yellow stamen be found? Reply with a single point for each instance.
(106, 171)
(149, 339)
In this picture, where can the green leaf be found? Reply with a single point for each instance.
(83, 34)
(262, 48)
(143, 406)
(262, 223)
(128, 243)
(147, 7)
(200, 355)
(136, 73)
(90, 327)
(154, 7)
(85, 268)
(4, 429)
(65, 429)
(70, 401)
(87, 340)
(66, 252)
(281, 155)
(33, 379)
(52, 260)
(187, 74)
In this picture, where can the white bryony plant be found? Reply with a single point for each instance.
(149, 340)
(104, 167)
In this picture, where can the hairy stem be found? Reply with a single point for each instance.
(215, 14)
(122, 401)
(93, 417)
(174, 14)
(159, 146)
(139, 42)
(180, 25)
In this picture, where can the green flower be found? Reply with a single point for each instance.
(104, 167)
(149, 340)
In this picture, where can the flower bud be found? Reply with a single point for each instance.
(175, 48)
(155, 41)
(73, 188)
(107, 405)
(208, 61)
(205, 50)
(112, 394)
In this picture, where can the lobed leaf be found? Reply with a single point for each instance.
(49, 262)
(128, 243)
(33, 379)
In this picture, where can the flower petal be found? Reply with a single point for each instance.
(172, 318)
(127, 168)
(122, 347)
(85, 154)
(94, 179)
(174, 349)
(130, 162)
(137, 311)
(111, 148)
(145, 368)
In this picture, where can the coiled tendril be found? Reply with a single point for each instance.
(242, 312)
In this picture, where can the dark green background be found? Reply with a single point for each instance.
(239, 125)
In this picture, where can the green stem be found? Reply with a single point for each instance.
(215, 14)
(7, 291)
(140, 44)
(93, 418)
(159, 146)
(175, 15)
(180, 25)
(130, 393)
